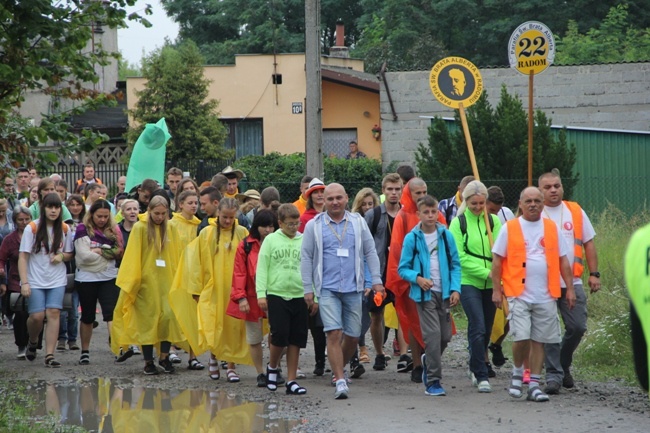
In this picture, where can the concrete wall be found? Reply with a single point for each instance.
(615, 96)
(37, 102)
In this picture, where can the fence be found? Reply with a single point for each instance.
(200, 170)
(626, 191)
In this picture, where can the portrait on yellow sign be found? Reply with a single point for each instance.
(455, 81)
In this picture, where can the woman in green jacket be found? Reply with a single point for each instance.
(471, 236)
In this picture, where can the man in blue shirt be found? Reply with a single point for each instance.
(335, 245)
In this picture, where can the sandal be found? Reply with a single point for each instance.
(84, 359)
(272, 378)
(213, 369)
(537, 395)
(194, 364)
(174, 358)
(294, 389)
(30, 352)
(232, 376)
(123, 356)
(51, 362)
(515, 390)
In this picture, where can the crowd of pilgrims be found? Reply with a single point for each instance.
(172, 269)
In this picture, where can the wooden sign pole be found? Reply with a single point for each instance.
(472, 160)
(531, 120)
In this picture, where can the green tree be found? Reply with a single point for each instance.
(177, 90)
(500, 142)
(43, 47)
(615, 39)
(228, 27)
(480, 30)
(127, 69)
(398, 41)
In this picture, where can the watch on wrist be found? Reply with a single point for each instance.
(594, 274)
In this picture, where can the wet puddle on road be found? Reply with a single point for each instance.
(102, 406)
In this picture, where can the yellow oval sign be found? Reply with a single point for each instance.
(455, 81)
(531, 48)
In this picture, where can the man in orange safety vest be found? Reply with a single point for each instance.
(528, 258)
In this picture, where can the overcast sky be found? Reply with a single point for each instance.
(136, 39)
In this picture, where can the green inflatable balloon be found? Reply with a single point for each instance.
(148, 157)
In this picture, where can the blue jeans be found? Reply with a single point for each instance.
(341, 311)
(69, 323)
(480, 311)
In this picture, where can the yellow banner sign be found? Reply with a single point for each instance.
(455, 81)
(531, 48)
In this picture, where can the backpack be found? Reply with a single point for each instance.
(247, 246)
(462, 220)
(376, 216)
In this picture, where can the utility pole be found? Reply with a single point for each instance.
(313, 103)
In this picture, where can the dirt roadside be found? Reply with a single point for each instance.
(384, 401)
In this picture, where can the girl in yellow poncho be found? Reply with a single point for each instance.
(184, 223)
(205, 273)
(142, 315)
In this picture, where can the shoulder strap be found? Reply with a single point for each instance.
(247, 246)
(462, 220)
(32, 224)
(376, 216)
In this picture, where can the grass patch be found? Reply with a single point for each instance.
(605, 352)
(17, 409)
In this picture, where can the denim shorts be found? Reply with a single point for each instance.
(341, 311)
(42, 299)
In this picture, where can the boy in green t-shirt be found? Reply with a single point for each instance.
(281, 295)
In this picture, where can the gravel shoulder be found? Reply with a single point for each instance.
(379, 401)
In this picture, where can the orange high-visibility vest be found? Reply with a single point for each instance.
(514, 264)
(576, 216)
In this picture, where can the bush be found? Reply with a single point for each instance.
(606, 351)
(500, 142)
(285, 171)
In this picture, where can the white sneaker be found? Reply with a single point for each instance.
(21, 353)
(472, 377)
(300, 374)
(342, 390)
(484, 386)
(136, 350)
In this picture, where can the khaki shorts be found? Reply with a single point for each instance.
(537, 322)
(254, 332)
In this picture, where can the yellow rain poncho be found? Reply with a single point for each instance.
(142, 314)
(185, 229)
(206, 273)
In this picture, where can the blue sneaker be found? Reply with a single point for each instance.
(425, 380)
(435, 389)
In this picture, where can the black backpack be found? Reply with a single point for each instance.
(462, 220)
(376, 216)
